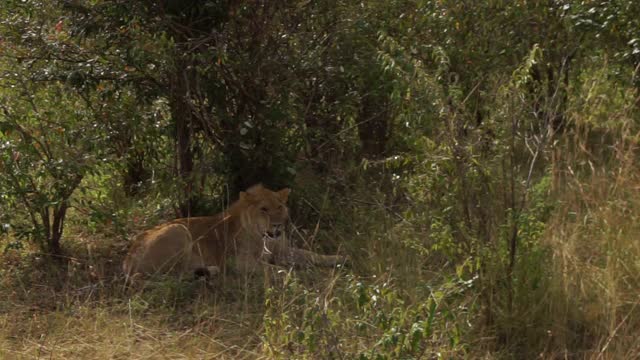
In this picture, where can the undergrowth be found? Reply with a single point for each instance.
(523, 249)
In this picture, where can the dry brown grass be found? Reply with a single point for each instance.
(98, 333)
(595, 295)
(84, 312)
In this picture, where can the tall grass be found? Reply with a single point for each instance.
(594, 233)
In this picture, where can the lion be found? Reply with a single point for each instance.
(248, 235)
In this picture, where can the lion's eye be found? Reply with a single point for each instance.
(264, 209)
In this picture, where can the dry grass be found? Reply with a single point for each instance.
(84, 312)
(595, 295)
(101, 333)
(597, 271)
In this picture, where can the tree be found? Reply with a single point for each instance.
(54, 121)
(49, 143)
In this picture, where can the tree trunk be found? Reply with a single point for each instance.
(373, 127)
(53, 226)
(135, 173)
(57, 228)
(183, 119)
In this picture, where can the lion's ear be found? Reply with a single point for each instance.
(244, 196)
(284, 194)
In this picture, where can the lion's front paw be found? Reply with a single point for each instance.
(206, 272)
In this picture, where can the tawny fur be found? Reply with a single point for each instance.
(232, 240)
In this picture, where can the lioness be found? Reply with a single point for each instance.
(241, 238)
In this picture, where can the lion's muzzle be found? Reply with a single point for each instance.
(275, 231)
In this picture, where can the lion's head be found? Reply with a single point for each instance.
(266, 211)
